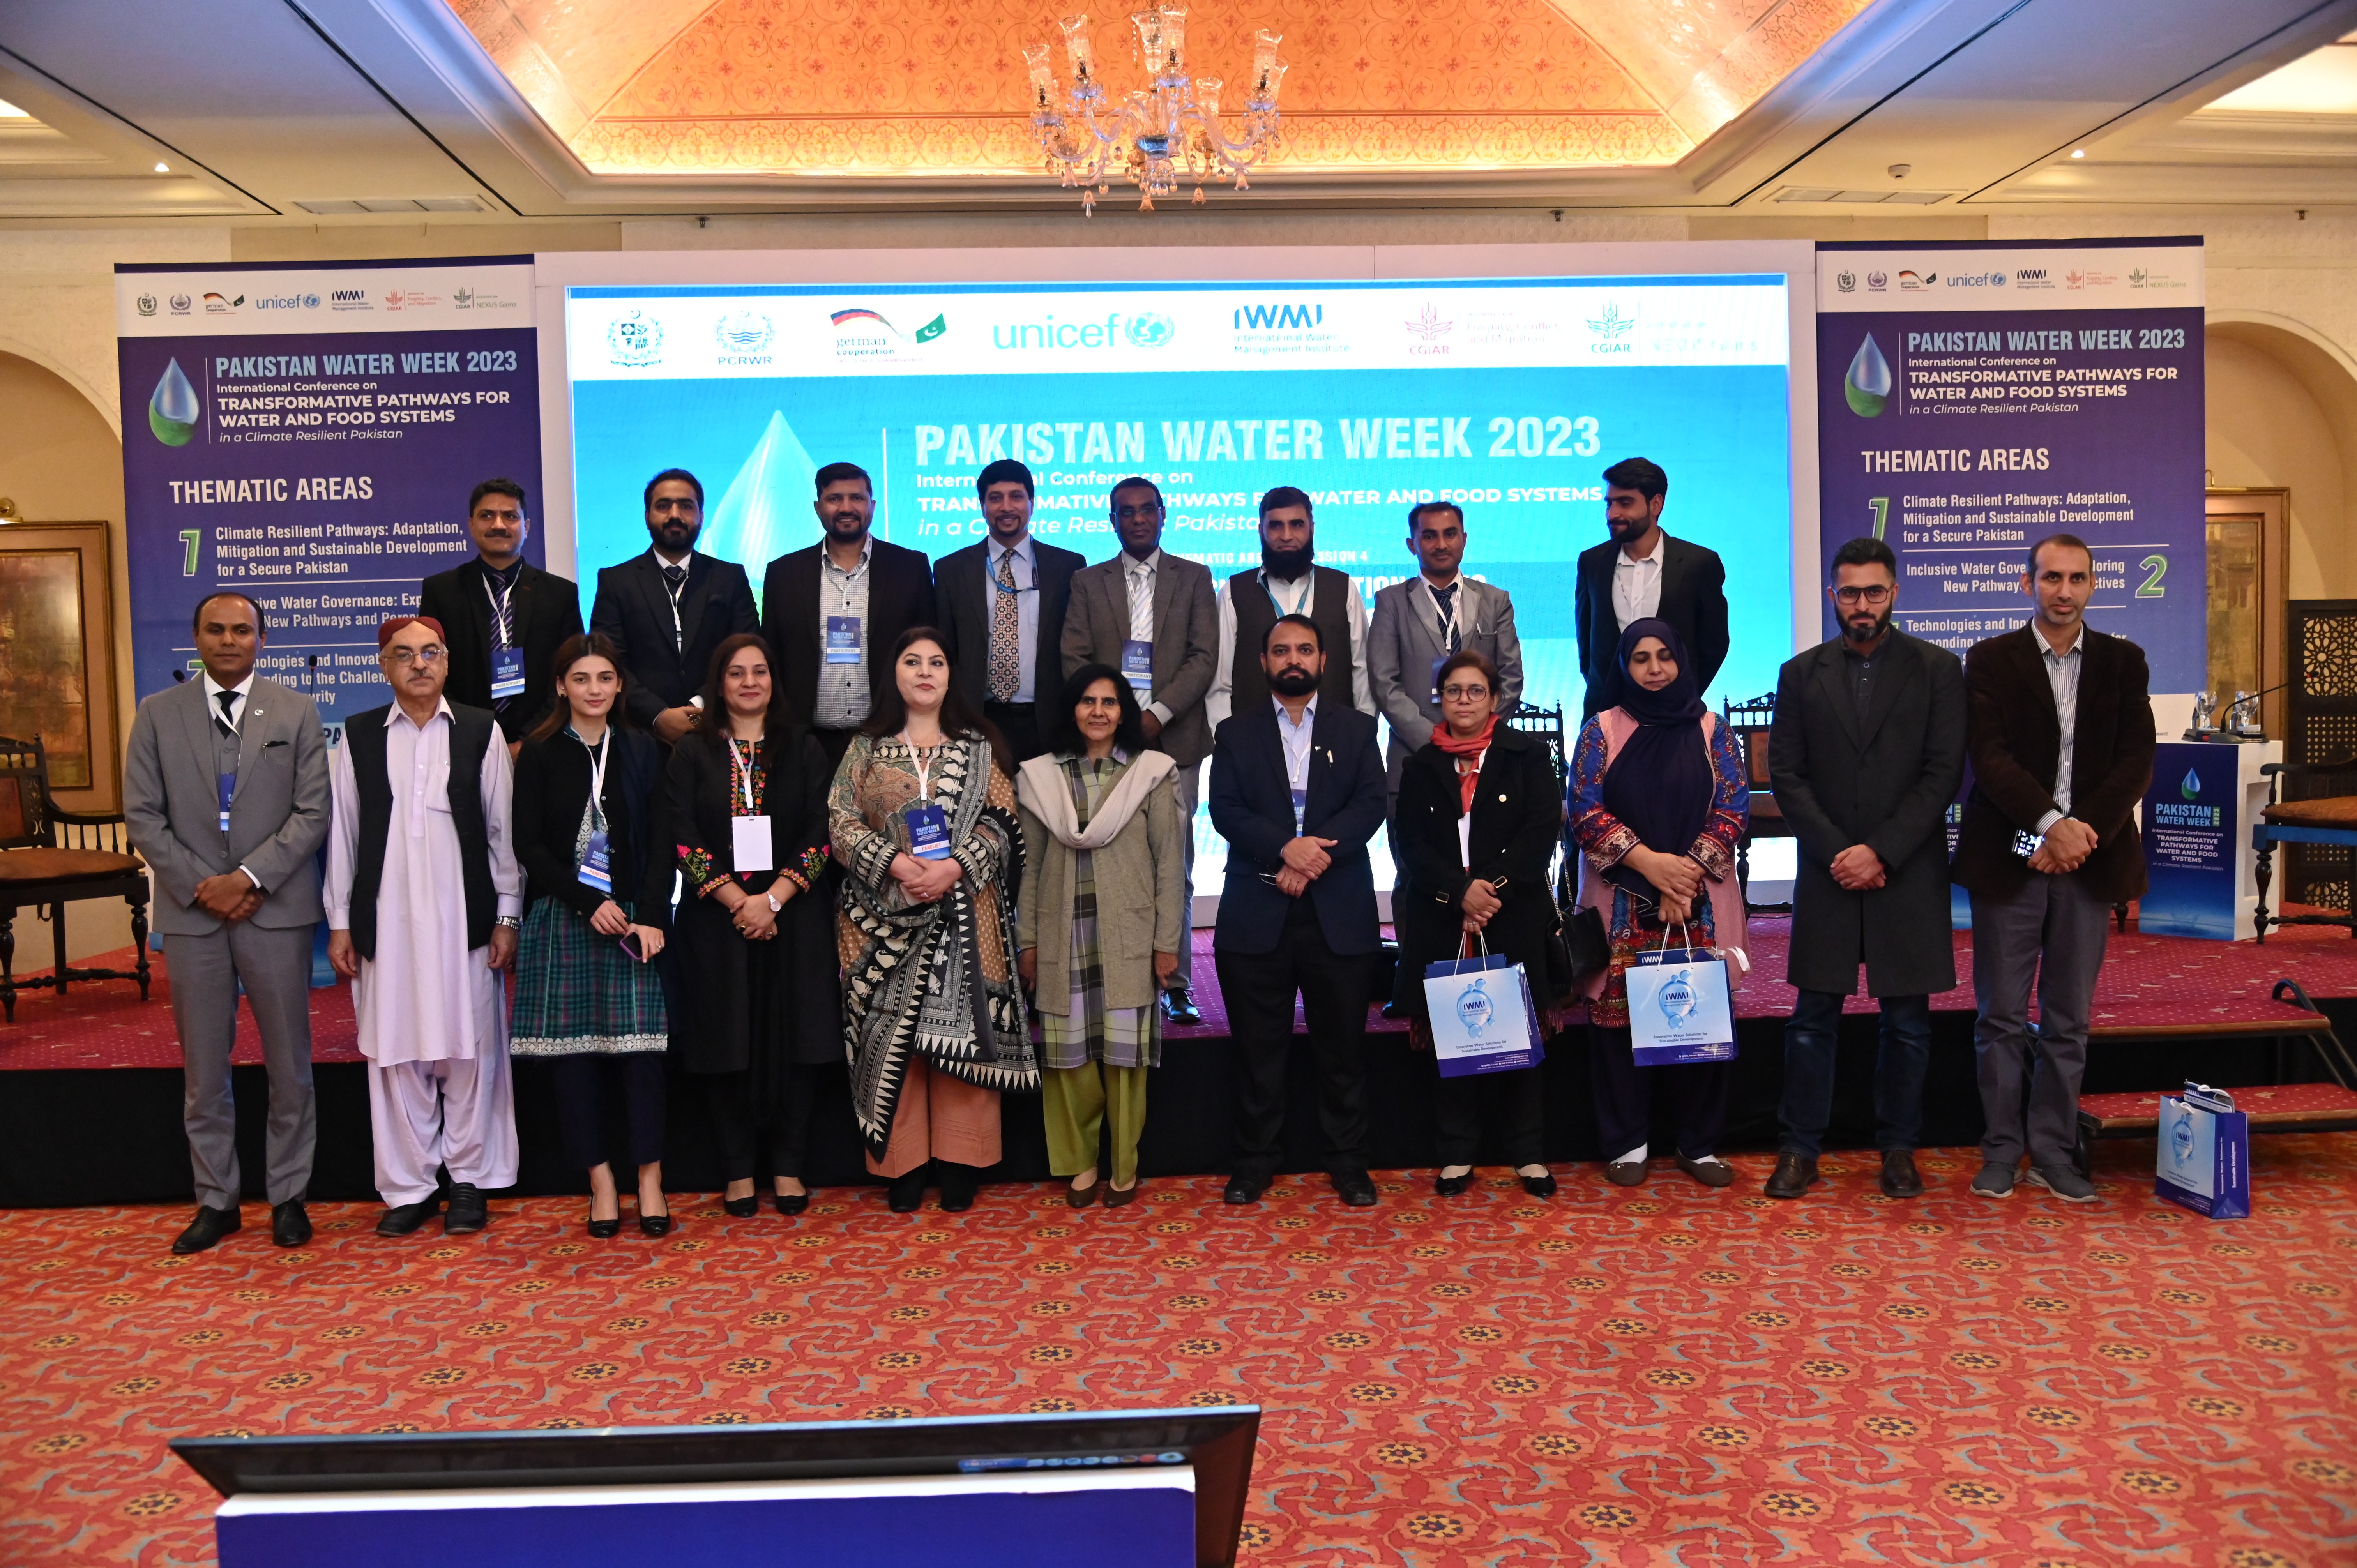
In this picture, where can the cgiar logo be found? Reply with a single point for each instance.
(634, 339)
(1609, 328)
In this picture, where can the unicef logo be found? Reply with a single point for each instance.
(634, 340)
(743, 332)
(310, 301)
(1475, 1010)
(1150, 331)
(1677, 998)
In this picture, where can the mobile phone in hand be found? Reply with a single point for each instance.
(630, 946)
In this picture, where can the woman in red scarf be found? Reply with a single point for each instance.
(1479, 814)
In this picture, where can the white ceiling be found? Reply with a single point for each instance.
(359, 111)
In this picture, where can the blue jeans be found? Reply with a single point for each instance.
(1810, 1039)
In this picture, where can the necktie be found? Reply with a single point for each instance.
(227, 701)
(1005, 634)
(1141, 604)
(675, 576)
(503, 621)
(1445, 598)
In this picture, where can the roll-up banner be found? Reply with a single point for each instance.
(306, 435)
(1974, 398)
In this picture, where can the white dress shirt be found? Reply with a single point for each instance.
(1296, 737)
(1138, 582)
(2062, 674)
(1637, 585)
(236, 716)
(843, 697)
(1290, 599)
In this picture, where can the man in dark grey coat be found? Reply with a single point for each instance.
(1864, 757)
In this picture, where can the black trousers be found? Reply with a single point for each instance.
(1510, 1105)
(739, 1124)
(1335, 988)
(834, 743)
(1694, 1093)
(1019, 723)
(587, 1086)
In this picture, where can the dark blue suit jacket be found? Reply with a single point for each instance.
(1252, 808)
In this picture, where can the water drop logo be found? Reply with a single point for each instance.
(2190, 787)
(1867, 385)
(1678, 999)
(173, 411)
(2180, 1141)
(1475, 1010)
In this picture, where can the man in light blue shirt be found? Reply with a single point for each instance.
(1000, 605)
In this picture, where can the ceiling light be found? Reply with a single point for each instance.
(2078, 152)
(163, 168)
(10, 112)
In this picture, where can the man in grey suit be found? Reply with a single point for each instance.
(1154, 618)
(225, 793)
(1426, 618)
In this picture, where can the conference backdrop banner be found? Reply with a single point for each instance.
(1974, 398)
(307, 435)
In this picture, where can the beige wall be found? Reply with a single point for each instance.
(2267, 429)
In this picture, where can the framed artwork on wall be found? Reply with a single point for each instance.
(56, 655)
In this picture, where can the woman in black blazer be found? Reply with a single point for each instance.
(596, 875)
(1490, 889)
(760, 1010)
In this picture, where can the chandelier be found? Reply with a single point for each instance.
(1171, 125)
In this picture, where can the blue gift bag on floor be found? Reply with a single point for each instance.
(1483, 1017)
(2205, 1152)
(1680, 1007)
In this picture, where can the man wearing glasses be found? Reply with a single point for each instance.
(1864, 757)
(1153, 618)
(1001, 605)
(424, 900)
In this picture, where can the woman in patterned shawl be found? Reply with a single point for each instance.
(922, 818)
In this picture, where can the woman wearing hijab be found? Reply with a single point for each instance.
(1478, 821)
(1659, 797)
(1099, 923)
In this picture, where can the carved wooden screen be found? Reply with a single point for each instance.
(2323, 728)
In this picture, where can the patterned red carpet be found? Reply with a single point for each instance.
(1664, 1376)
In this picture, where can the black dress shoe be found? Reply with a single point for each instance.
(1356, 1190)
(656, 1225)
(1393, 1011)
(790, 1203)
(1179, 1008)
(741, 1207)
(289, 1226)
(1710, 1172)
(403, 1218)
(1899, 1176)
(959, 1185)
(907, 1192)
(606, 1230)
(1795, 1173)
(469, 1211)
(1243, 1189)
(1540, 1186)
(1451, 1186)
(207, 1229)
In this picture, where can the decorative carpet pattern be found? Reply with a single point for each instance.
(1660, 1376)
(2145, 981)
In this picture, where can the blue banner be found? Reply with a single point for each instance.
(1973, 398)
(307, 435)
(2193, 835)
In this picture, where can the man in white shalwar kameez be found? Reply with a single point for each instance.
(424, 900)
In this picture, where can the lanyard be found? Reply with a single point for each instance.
(1449, 636)
(745, 773)
(672, 591)
(1012, 557)
(499, 608)
(924, 765)
(1308, 583)
(597, 775)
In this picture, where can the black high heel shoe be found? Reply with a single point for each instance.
(1540, 1186)
(1452, 1185)
(606, 1230)
(791, 1203)
(656, 1225)
(741, 1207)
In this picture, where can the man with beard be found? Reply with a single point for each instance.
(1641, 572)
(1865, 758)
(833, 612)
(507, 617)
(1286, 583)
(668, 609)
(1000, 604)
(1298, 790)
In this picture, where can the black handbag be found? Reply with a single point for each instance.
(1579, 949)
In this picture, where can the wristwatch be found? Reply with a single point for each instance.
(510, 921)
(775, 908)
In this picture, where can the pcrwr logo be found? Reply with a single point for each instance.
(182, 305)
(1278, 317)
(742, 332)
(634, 339)
(1866, 386)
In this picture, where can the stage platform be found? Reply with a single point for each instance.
(89, 1110)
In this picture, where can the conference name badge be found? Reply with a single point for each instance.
(842, 640)
(227, 783)
(1300, 808)
(597, 868)
(1138, 664)
(1437, 661)
(929, 832)
(748, 844)
(507, 674)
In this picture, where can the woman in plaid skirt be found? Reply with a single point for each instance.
(589, 833)
(1106, 888)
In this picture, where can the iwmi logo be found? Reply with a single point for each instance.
(1279, 317)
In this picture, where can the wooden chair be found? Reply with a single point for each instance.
(1751, 721)
(2330, 819)
(49, 856)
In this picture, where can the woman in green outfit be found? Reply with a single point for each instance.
(1102, 840)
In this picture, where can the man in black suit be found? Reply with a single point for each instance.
(505, 618)
(1867, 752)
(1001, 603)
(831, 612)
(1641, 572)
(2059, 721)
(1297, 789)
(668, 610)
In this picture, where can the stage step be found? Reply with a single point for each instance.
(2274, 1107)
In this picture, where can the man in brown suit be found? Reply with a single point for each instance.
(1152, 617)
(2060, 729)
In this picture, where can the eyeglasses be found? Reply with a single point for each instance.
(402, 658)
(1874, 595)
(1463, 693)
(1137, 514)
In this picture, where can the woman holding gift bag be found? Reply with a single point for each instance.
(1478, 821)
(1659, 797)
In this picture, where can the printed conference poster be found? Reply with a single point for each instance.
(307, 435)
(1974, 397)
